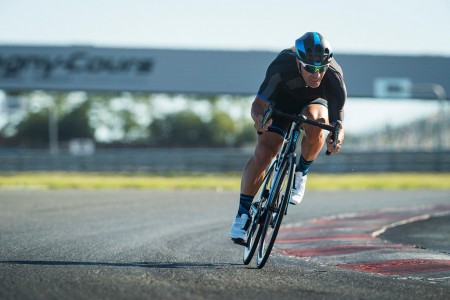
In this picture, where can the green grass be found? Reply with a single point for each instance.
(386, 181)
(216, 181)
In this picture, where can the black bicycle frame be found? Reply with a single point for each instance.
(287, 153)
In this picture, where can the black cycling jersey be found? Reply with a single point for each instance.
(285, 86)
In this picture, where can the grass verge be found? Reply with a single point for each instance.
(216, 181)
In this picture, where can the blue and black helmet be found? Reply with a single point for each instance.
(313, 49)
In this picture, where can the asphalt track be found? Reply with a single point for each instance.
(131, 244)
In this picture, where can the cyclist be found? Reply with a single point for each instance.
(303, 79)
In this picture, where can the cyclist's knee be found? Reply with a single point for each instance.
(314, 136)
(316, 112)
(267, 147)
(314, 133)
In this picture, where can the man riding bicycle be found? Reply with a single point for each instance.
(306, 80)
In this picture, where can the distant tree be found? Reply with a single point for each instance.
(118, 115)
(246, 135)
(222, 130)
(131, 119)
(33, 130)
(184, 129)
(76, 124)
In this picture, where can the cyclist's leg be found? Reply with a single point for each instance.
(253, 175)
(266, 149)
(314, 138)
(311, 145)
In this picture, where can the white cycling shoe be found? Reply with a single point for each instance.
(298, 191)
(238, 231)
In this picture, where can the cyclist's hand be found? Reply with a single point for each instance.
(330, 141)
(258, 124)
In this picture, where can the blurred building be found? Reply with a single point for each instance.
(205, 72)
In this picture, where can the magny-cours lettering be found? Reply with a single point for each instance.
(46, 66)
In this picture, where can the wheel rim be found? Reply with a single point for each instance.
(257, 224)
(273, 219)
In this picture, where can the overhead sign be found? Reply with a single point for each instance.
(134, 70)
(392, 87)
(72, 68)
(78, 62)
(206, 72)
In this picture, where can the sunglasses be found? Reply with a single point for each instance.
(314, 69)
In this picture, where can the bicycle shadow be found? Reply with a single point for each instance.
(150, 265)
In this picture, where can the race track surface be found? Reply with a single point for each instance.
(131, 244)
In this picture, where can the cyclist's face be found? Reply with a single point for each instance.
(312, 79)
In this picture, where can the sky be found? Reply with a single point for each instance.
(400, 27)
(353, 26)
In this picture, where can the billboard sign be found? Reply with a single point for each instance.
(392, 87)
(72, 68)
(131, 70)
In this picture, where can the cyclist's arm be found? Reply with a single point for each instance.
(265, 95)
(330, 140)
(257, 112)
(336, 112)
(340, 139)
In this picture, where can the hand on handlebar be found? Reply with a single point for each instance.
(335, 139)
(259, 126)
(263, 122)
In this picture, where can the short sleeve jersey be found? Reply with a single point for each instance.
(285, 86)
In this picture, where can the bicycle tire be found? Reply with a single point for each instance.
(258, 218)
(280, 197)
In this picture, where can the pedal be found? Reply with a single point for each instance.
(239, 242)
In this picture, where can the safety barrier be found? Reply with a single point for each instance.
(212, 160)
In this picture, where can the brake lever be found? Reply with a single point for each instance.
(267, 114)
(335, 135)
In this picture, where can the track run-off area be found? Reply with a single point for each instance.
(143, 244)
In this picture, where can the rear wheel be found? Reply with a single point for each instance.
(275, 211)
(257, 214)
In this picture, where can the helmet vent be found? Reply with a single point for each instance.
(313, 48)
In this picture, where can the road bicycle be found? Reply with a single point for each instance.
(271, 202)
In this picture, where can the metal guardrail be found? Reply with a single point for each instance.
(212, 160)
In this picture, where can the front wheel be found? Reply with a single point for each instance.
(275, 210)
(257, 214)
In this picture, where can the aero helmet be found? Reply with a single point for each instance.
(313, 49)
